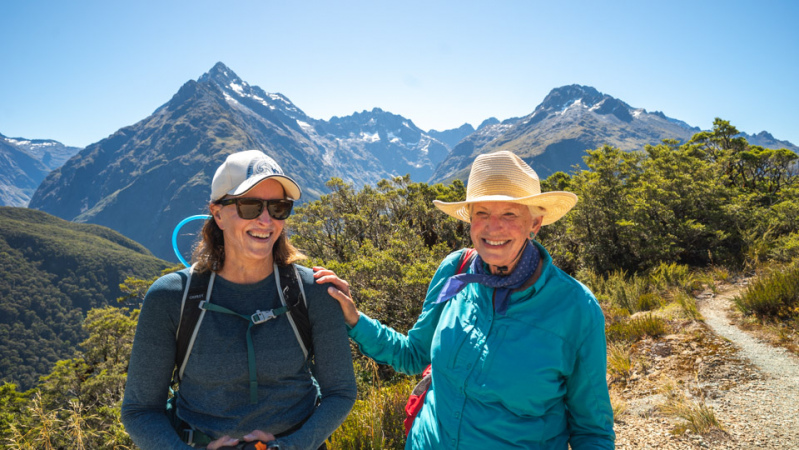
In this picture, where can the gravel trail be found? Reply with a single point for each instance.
(759, 414)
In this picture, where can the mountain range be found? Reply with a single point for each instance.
(145, 178)
(24, 163)
(571, 120)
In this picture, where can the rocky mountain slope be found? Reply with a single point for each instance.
(571, 120)
(145, 178)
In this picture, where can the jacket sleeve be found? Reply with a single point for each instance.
(590, 413)
(332, 369)
(408, 354)
(150, 370)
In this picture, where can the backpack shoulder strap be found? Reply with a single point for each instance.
(292, 295)
(198, 289)
(466, 260)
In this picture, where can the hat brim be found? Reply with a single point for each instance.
(290, 186)
(555, 204)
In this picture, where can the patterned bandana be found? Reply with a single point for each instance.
(503, 284)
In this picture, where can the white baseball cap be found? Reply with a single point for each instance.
(241, 171)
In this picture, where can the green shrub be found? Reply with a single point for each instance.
(618, 289)
(786, 248)
(671, 275)
(649, 301)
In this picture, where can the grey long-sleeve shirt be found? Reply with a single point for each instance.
(215, 391)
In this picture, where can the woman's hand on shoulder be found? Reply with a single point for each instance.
(340, 290)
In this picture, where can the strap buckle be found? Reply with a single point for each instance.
(262, 316)
(188, 436)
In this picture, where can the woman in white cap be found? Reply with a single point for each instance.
(249, 380)
(517, 346)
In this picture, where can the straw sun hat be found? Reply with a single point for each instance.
(504, 177)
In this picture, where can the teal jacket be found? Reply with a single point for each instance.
(531, 379)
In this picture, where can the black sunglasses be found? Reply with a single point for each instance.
(251, 208)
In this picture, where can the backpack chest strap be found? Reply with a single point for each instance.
(255, 319)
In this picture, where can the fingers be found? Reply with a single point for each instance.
(224, 441)
(328, 276)
(339, 290)
(319, 271)
(351, 314)
(258, 435)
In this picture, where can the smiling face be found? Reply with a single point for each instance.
(500, 230)
(249, 243)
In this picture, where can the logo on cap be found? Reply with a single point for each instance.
(263, 165)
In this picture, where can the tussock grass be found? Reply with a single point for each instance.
(619, 290)
(774, 296)
(699, 418)
(666, 276)
(688, 306)
(720, 274)
(649, 301)
(376, 420)
(620, 361)
(635, 328)
(695, 414)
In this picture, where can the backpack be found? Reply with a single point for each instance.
(416, 399)
(197, 301)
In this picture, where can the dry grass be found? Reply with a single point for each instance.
(620, 406)
(620, 361)
(635, 328)
(695, 415)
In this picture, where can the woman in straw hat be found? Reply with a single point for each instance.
(517, 346)
(249, 377)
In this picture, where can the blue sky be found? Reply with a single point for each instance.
(77, 71)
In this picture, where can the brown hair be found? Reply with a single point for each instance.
(209, 252)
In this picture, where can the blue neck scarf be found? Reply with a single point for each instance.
(503, 284)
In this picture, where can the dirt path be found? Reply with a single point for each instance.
(759, 414)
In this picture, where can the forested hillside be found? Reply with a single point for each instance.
(53, 272)
(651, 227)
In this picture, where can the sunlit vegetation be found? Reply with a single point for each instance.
(651, 230)
(53, 272)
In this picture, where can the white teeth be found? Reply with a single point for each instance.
(260, 235)
(495, 242)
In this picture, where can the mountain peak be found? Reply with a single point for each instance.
(220, 74)
(561, 97)
(240, 92)
(765, 135)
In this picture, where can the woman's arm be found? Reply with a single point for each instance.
(408, 354)
(150, 370)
